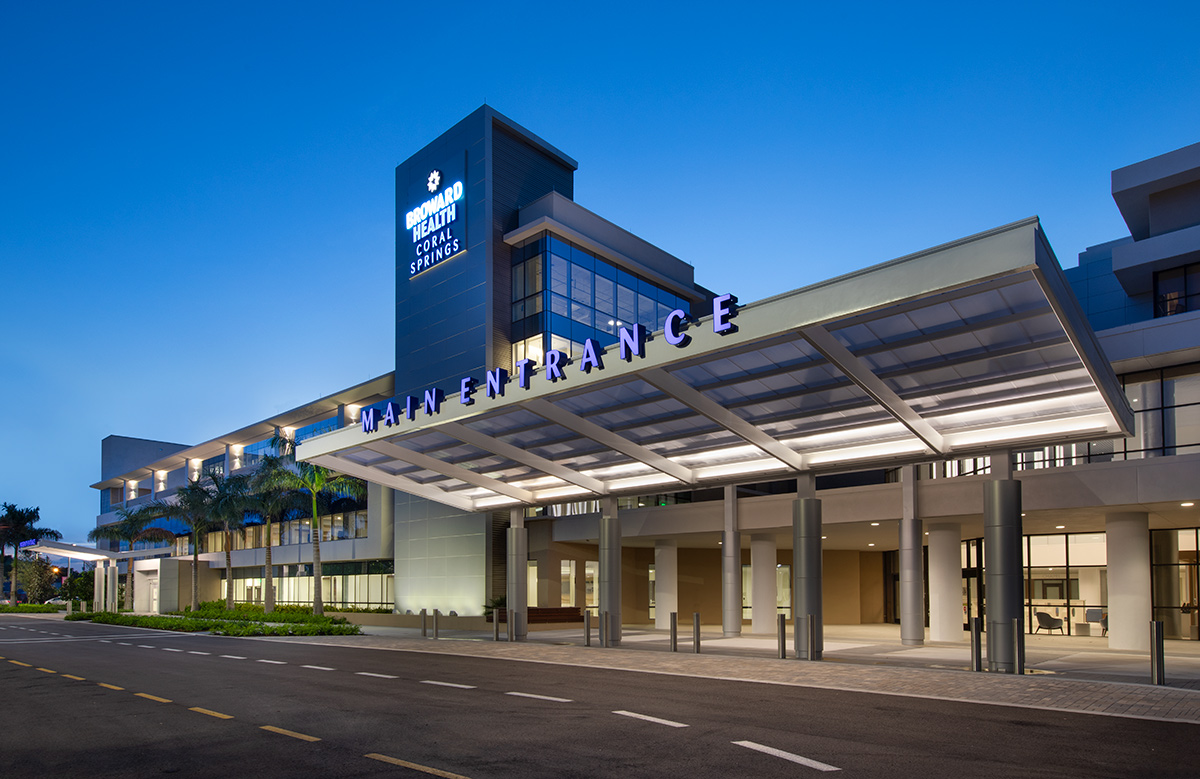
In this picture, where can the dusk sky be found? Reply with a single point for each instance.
(197, 225)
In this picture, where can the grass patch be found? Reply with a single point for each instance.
(219, 627)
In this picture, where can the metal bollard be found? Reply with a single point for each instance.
(605, 626)
(1018, 647)
(1157, 673)
(976, 644)
(435, 621)
(70, 604)
(424, 629)
(495, 624)
(509, 633)
(696, 632)
(782, 637)
(810, 637)
(674, 631)
(587, 628)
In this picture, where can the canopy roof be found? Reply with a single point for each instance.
(968, 348)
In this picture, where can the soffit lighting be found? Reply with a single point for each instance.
(1092, 422)
(1060, 527)
(1187, 505)
(874, 524)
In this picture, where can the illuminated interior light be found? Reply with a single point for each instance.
(499, 500)
(842, 437)
(1042, 429)
(648, 480)
(541, 481)
(733, 469)
(1082, 401)
(728, 453)
(562, 492)
(1187, 505)
(870, 545)
(874, 524)
(1060, 527)
(910, 446)
(625, 469)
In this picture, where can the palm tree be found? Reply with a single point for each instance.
(273, 503)
(17, 525)
(193, 507)
(230, 496)
(132, 527)
(312, 481)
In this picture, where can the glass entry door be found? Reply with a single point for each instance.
(972, 580)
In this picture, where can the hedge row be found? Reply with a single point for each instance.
(220, 627)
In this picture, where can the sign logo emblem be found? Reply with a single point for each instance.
(434, 181)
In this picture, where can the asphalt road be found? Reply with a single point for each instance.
(99, 701)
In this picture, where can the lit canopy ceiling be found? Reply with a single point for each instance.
(972, 347)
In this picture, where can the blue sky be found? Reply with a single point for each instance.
(196, 199)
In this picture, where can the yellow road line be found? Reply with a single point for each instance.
(47, 670)
(110, 686)
(76, 678)
(148, 696)
(414, 766)
(291, 733)
(211, 713)
(18, 662)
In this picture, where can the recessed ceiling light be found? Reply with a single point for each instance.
(1022, 513)
(824, 537)
(1187, 505)
(1060, 527)
(874, 524)
(870, 545)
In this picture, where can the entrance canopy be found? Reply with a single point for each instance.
(969, 348)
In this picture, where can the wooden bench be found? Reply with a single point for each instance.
(544, 615)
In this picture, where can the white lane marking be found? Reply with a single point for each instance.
(234, 657)
(377, 676)
(805, 761)
(272, 662)
(169, 649)
(194, 652)
(648, 718)
(145, 646)
(124, 643)
(318, 667)
(540, 697)
(449, 684)
(105, 641)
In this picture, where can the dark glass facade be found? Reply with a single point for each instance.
(563, 294)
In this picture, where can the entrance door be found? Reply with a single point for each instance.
(152, 582)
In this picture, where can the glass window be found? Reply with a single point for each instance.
(518, 282)
(583, 258)
(1047, 550)
(647, 309)
(559, 305)
(626, 305)
(1182, 427)
(582, 314)
(581, 285)
(1181, 385)
(533, 276)
(560, 275)
(605, 270)
(1088, 549)
(1170, 291)
(1143, 390)
(558, 246)
(606, 296)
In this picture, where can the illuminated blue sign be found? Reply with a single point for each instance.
(30, 542)
(631, 343)
(435, 226)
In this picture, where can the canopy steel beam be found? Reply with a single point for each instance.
(519, 455)
(583, 427)
(709, 408)
(402, 483)
(466, 475)
(855, 370)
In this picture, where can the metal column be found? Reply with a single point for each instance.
(610, 567)
(806, 572)
(666, 582)
(517, 593)
(912, 579)
(945, 582)
(1002, 570)
(764, 615)
(731, 568)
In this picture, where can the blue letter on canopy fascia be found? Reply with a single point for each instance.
(433, 401)
(524, 372)
(592, 354)
(555, 360)
(466, 388)
(410, 407)
(391, 414)
(633, 342)
(370, 423)
(724, 310)
(674, 326)
(496, 381)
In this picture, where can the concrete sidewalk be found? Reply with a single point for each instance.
(1069, 674)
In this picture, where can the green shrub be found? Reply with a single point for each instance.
(255, 614)
(259, 629)
(220, 627)
(80, 615)
(32, 608)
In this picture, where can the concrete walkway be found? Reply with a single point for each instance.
(1069, 674)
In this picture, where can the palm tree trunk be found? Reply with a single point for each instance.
(269, 602)
(318, 604)
(228, 571)
(12, 586)
(129, 582)
(195, 573)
